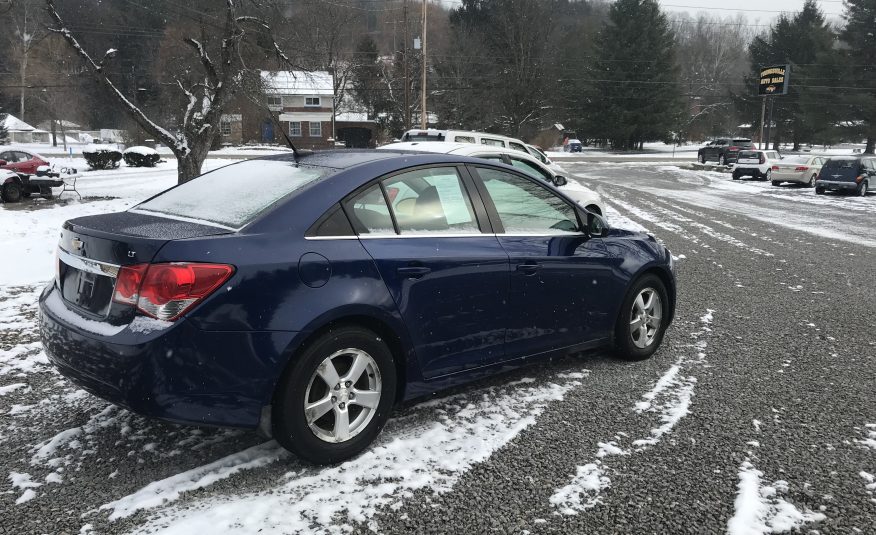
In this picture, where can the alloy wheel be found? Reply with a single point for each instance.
(645, 318)
(342, 395)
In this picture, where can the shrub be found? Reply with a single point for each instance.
(141, 157)
(102, 157)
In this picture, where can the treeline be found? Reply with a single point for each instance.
(619, 73)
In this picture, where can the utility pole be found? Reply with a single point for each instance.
(423, 116)
(407, 114)
(762, 119)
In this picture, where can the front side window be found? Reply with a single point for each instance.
(215, 197)
(525, 207)
(311, 101)
(531, 169)
(431, 200)
(518, 146)
(23, 156)
(315, 129)
(295, 129)
(9, 157)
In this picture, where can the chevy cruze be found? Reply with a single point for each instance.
(306, 296)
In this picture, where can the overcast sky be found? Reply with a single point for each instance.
(754, 9)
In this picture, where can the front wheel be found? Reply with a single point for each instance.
(642, 321)
(336, 396)
(736, 176)
(11, 192)
(722, 160)
(702, 158)
(819, 190)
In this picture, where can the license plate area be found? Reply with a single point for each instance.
(88, 285)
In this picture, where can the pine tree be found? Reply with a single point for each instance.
(859, 40)
(4, 133)
(797, 41)
(633, 94)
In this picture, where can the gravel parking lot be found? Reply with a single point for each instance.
(756, 416)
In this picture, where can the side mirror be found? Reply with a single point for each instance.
(560, 180)
(597, 227)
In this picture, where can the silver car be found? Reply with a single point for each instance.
(801, 169)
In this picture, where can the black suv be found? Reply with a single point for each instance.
(847, 173)
(725, 150)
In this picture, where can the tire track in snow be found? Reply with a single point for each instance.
(670, 399)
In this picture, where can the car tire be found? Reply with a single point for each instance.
(631, 342)
(811, 183)
(722, 160)
(777, 182)
(768, 175)
(819, 190)
(11, 192)
(702, 158)
(736, 176)
(320, 440)
(862, 189)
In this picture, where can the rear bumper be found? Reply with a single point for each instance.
(748, 171)
(832, 185)
(180, 374)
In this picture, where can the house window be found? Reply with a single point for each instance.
(295, 129)
(275, 102)
(315, 129)
(225, 128)
(311, 101)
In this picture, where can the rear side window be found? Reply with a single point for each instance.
(492, 142)
(464, 139)
(333, 224)
(431, 200)
(369, 213)
(236, 194)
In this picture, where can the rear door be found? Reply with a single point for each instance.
(558, 274)
(428, 233)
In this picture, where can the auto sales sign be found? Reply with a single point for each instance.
(773, 81)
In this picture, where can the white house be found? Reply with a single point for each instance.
(21, 132)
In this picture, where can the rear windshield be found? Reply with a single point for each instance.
(423, 136)
(837, 163)
(797, 159)
(742, 141)
(236, 194)
(743, 154)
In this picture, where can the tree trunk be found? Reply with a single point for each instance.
(189, 165)
(871, 145)
(54, 134)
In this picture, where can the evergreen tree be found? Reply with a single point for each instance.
(633, 94)
(859, 40)
(797, 41)
(4, 133)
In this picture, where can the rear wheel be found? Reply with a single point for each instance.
(642, 320)
(777, 182)
(11, 192)
(722, 160)
(768, 175)
(702, 158)
(862, 189)
(336, 396)
(811, 183)
(736, 175)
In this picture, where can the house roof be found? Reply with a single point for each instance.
(298, 82)
(14, 124)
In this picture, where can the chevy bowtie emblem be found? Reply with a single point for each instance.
(77, 244)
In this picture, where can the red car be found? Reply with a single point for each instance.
(21, 161)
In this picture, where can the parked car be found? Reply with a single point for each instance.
(542, 156)
(756, 164)
(573, 145)
(801, 169)
(724, 150)
(16, 186)
(342, 283)
(21, 161)
(586, 197)
(464, 136)
(854, 174)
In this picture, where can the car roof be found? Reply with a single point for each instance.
(444, 147)
(338, 159)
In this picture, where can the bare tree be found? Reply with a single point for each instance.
(27, 30)
(205, 93)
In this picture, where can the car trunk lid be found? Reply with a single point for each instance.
(93, 249)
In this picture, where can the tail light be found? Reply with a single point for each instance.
(801, 168)
(775, 168)
(733, 149)
(167, 291)
(762, 159)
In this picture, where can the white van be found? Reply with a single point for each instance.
(463, 136)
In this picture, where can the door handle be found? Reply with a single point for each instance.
(413, 272)
(529, 268)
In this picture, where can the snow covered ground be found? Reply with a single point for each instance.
(747, 421)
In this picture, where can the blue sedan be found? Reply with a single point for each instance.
(305, 296)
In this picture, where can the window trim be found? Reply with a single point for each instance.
(292, 134)
(317, 105)
(493, 213)
(310, 125)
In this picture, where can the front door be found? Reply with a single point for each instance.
(445, 269)
(558, 274)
